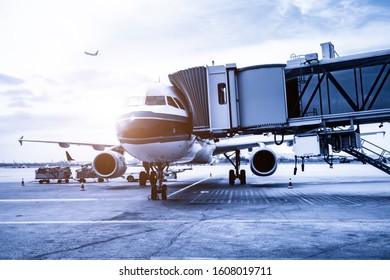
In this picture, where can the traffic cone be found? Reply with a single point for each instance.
(290, 186)
(82, 187)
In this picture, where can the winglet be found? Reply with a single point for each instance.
(21, 140)
(68, 156)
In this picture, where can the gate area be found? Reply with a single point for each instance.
(306, 93)
(312, 99)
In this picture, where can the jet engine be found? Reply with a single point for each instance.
(263, 162)
(109, 164)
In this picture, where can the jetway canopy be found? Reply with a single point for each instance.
(193, 84)
(305, 94)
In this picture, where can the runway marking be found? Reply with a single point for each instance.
(230, 197)
(346, 200)
(211, 221)
(48, 199)
(62, 199)
(194, 184)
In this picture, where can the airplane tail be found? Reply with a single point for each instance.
(21, 141)
(68, 157)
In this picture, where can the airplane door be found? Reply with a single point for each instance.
(222, 100)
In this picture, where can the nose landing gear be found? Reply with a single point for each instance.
(157, 191)
(156, 178)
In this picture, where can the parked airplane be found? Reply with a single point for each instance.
(156, 128)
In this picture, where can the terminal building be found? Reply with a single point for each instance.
(321, 101)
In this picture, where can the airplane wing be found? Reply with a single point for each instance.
(95, 146)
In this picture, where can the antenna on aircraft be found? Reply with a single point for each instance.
(92, 54)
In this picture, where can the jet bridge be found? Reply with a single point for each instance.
(306, 97)
(305, 94)
(338, 90)
(225, 100)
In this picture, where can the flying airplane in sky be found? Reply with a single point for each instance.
(156, 128)
(92, 54)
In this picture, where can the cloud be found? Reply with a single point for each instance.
(30, 121)
(9, 80)
(17, 98)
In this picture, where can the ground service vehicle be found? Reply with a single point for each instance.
(45, 174)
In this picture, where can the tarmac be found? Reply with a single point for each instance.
(341, 213)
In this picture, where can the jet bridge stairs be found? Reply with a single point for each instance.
(350, 142)
(376, 157)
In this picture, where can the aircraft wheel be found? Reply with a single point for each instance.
(232, 177)
(142, 178)
(66, 181)
(164, 192)
(242, 177)
(153, 178)
(154, 194)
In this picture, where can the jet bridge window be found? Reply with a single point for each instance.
(155, 100)
(222, 93)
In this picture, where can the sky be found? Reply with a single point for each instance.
(51, 90)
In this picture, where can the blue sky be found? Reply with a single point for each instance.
(49, 89)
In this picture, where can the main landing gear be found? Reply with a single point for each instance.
(236, 173)
(156, 177)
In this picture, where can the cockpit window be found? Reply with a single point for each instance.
(172, 102)
(179, 103)
(155, 100)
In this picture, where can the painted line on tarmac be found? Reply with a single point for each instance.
(194, 184)
(48, 199)
(211, 221)
(62, 199)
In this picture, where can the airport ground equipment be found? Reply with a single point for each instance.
(371, 154)
(61, 174)
(86, 171)
(313, 99)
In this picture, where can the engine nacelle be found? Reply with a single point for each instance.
(109, 164)
(263, 162)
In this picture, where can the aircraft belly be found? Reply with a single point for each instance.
(159, 151)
